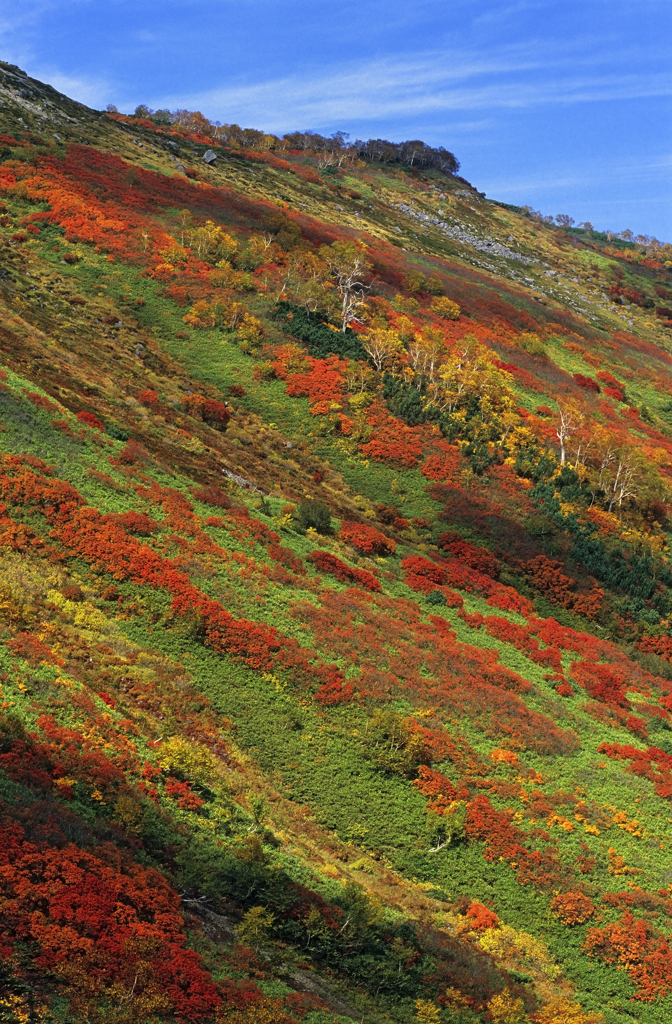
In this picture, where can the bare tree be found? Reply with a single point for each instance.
(426, 352)
(570, 419)
(348, 266)
(625, 480)
(381, 346)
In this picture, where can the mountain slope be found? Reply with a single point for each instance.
(334, 586)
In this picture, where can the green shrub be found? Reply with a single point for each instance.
(314, 514)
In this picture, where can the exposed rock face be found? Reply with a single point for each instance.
(483, 245)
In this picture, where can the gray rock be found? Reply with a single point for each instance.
(482, 244)
(209, 157)
(316, 986)
(217, 927)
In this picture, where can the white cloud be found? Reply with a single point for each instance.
(92, 92)
(612, 174)
(427, 84)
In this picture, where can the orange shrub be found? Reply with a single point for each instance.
(572, 907)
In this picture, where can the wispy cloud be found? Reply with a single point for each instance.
(611, 174)
(94, 92)
(16, 47)
(427, 84)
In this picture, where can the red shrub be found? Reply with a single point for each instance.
(138, 523)
(133, 452)
(504, 841)
(652, 764)
(42, 403)
(509, 600)
(604, 683)
(149, 398)
(103, 916)
(32, 649)
(307, 174)
(216, 414)
(212, 495)
(548, 577)
(392, 441)
(519, 637)
(445, 466)
(90, 420)
(438, 788)
(587, 383)
(472, 555)
(322, 384)
(422, 575)
(606, 378)
(366, 539)
(660, 645)
(210, 411)
(103, 543)
(182, 794)
(178, 293)
(326, 562)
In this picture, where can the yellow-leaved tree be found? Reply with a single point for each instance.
(471, 371)
(427, 1012)
(564, 1011)
(381, 346)
(255, 928)
(505, 1008)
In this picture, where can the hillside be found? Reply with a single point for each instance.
(335, 587)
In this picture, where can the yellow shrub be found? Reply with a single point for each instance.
(506, 943)
(82, 613)
(427, 1012)
(188, 759)
(251, 330)
(21, 1010)
(201, 316)
(128, 812)
(445, 308)
(531, 343)
(505, 1009)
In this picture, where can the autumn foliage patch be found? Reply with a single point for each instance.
(367, 539)
(326, 562)
(103, 917)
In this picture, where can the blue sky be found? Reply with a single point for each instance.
(566, 106)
